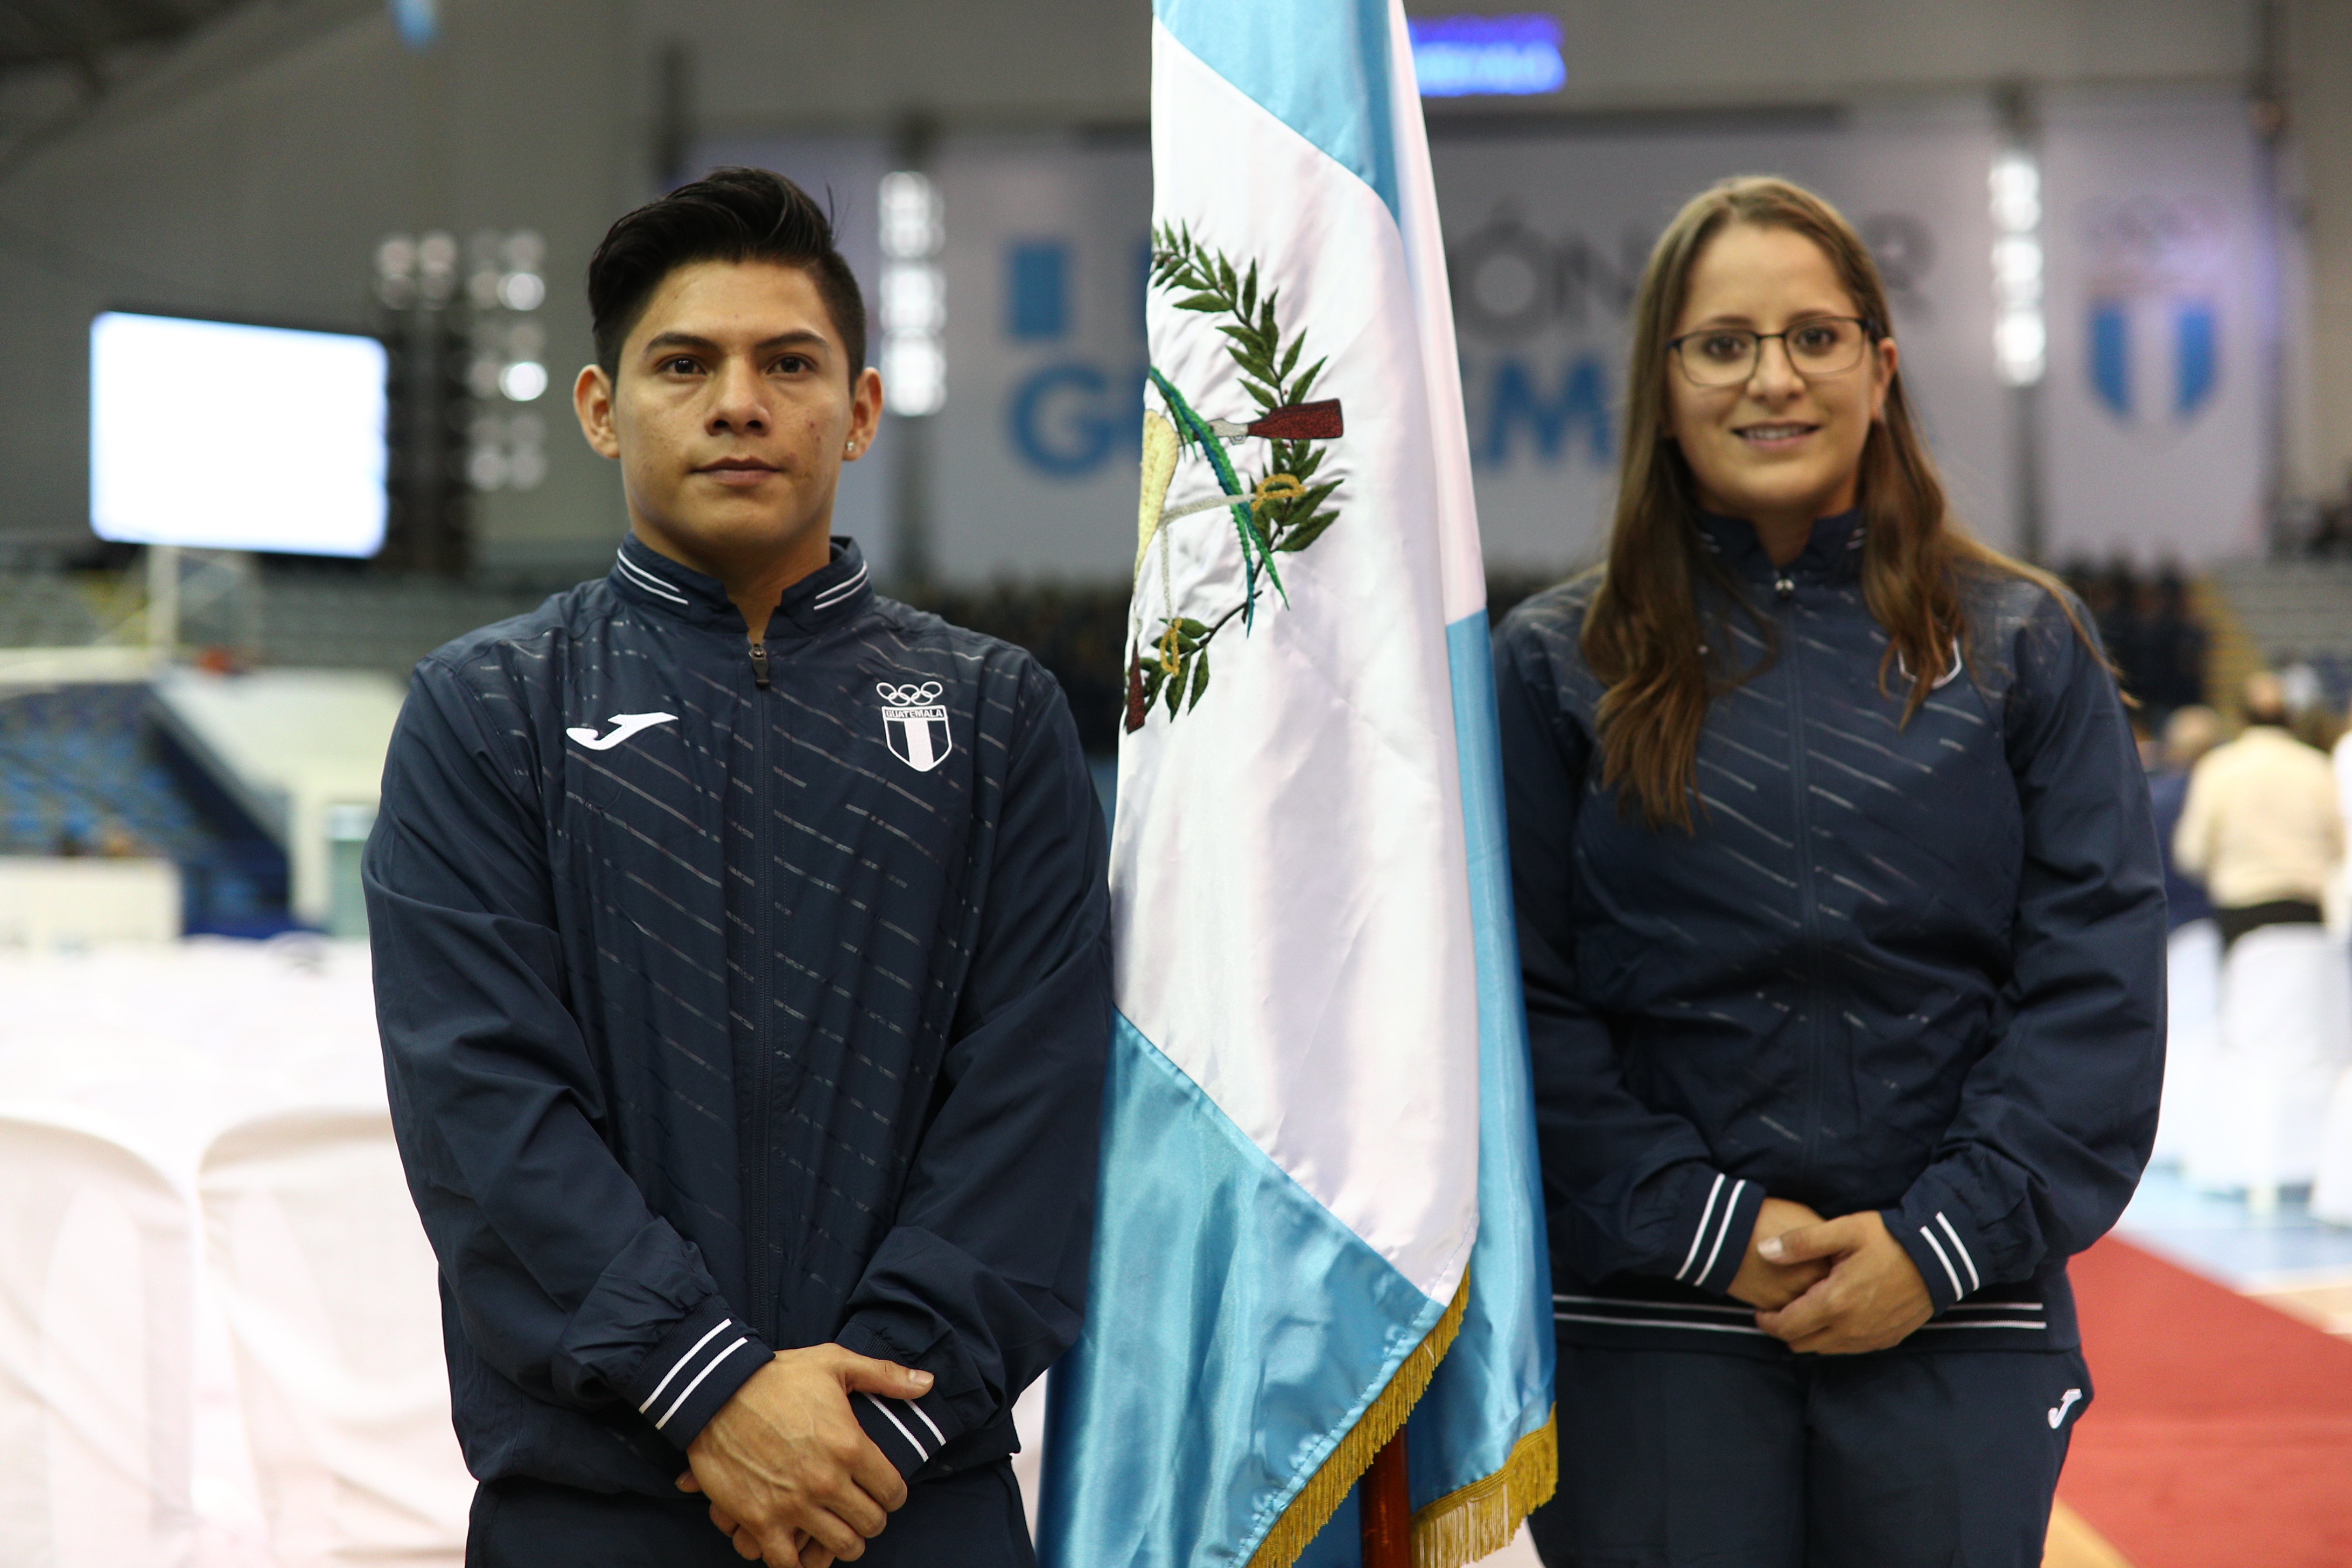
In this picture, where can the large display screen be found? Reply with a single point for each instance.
(225, 437)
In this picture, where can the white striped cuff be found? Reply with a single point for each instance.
(1712, 1233)
(697, 1367)
(901, 1428)
(1945, 1248)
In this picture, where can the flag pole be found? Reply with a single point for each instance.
(1386, 1508)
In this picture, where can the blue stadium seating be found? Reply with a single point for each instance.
(84, 765)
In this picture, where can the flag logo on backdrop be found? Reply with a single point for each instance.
(2152, 325)
(1320, 1221)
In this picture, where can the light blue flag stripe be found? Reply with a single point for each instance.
(1494, 1385)
(1281, 57)
(1249, 1331)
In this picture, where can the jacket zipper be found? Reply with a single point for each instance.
(756, 1238)
(1784, 589)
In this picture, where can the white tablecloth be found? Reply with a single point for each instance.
(169, 1045)
(163, 1048)
(160, 1049)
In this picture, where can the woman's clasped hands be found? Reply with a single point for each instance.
(1835, 1286)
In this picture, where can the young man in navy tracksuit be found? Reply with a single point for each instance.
(741, 962)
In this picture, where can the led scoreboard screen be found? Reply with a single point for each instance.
(226, 436)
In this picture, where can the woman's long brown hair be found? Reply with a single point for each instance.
(1642, 636)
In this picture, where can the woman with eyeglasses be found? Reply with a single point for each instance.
(1842, 932)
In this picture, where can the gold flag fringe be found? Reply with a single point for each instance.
(1320, 1497)
(1480, 1518)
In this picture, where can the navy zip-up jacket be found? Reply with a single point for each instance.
(734, 999)
(1911, 967)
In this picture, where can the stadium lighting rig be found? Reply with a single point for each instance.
(468, 360)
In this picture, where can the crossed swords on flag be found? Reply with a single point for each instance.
(1316, 421)
(1164, 440)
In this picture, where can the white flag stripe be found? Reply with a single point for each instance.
(1299, 976)
(1319, 1108)
(1464, 573)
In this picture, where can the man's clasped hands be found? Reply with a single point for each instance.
(789, 1473)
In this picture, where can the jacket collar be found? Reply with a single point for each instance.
(832, 593)
(1833, 553)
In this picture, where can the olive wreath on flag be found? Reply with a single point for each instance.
(1281, 511)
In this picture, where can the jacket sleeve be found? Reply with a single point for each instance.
(2191, 838)
(2057, 1118)
(1626, 1188)
(2338, 830)
(981, 1282)
(562, 1277)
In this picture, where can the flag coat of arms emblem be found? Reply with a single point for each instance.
(915, 725)
(1320, 1217)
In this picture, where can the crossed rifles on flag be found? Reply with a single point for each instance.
(1316, 421)
(1163, 441)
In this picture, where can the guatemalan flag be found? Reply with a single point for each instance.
(1320, 1211)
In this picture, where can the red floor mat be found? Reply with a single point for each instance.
(2222, 1436)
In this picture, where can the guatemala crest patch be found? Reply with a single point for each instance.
(915, 724)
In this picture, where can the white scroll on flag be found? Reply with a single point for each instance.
(1320, 1212)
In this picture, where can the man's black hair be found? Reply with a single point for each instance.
(728, 214)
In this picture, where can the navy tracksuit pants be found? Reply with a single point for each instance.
(969, 1520)
(1901, 1459)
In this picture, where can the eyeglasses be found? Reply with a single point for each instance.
(1727, 356)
